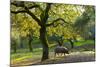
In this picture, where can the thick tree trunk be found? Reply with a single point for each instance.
(44, 41)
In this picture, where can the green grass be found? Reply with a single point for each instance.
(21, 56)
(80, 43)
(24, 54)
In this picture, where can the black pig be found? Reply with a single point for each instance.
(61, 50)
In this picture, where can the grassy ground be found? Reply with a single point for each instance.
(73, 57)
(24, 57)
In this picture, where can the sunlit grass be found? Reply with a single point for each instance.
(80, 43)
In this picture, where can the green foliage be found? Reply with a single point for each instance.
(67, 12)
(85, 24)
(89, 42)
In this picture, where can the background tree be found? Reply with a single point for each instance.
(85, 24)
(24, 28)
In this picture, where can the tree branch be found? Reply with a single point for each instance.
(26, 11)
(30, 13)
(44, 16)
(34, 17)
(35, 6)
(16, 12)
(30, 7)
(56, 21)
(48, 7)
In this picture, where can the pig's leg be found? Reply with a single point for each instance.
(54, 54)
(61, 54)
(58, 54)
(64, 54)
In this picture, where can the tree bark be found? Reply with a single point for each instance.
(30, 45)
(21, 42)
(44, 41)
(14, 47)
(60, 43)
(71, 42)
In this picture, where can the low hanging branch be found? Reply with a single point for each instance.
(16, 12)
(30, 13)
(59, 19)
(26, 11)
(21, 4)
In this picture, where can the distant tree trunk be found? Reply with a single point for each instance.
(21, 42)
(44, 42)
(15, 48)
(30, 43)
(60, 43)
(30, 46)
(74, 38)
(71, 42)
